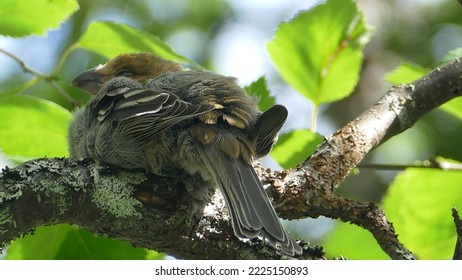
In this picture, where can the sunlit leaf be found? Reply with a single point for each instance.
(111, 39)
(419, 204)
(44, 244)
(453, 107)
(25, 17)
(33, 127)
(406, 73)
(354, 243)
(259, 91)
(66, 242)
(294, 147)
(319, 52)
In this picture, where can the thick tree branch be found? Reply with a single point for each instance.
(101, 199)
(309, 190)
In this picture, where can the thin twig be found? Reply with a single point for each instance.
(429, 163)
(50, 79)
(62, 58)
(390, 167)
(23, 65)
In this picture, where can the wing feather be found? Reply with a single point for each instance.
(145, 112)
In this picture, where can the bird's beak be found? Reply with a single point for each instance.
(90, 81)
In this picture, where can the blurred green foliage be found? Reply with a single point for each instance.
(67, 242)
(419, 204)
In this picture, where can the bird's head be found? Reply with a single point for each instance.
(138, 66)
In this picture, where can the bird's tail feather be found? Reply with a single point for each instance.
(249, 207)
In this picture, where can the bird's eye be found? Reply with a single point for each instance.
(124, 73)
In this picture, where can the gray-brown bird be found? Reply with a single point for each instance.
(149, 113)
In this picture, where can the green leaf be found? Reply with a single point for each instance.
(419, 204)
(453, 107)
(6, 93)
(406, 73)
(111, 39)
(452, 55)
(319, 52)
(294, 147)
(33, 127)
(66, 242)
(259, 90)
(354, 243)
(43, 244)
(24, 17)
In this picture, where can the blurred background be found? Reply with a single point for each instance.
(229, 36)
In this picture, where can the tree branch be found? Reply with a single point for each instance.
(50, 191)
(309, 190)
(102, 199)
(50, 79)
(458, 223)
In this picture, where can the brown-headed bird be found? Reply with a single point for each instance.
(149, 113)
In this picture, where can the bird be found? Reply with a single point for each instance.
(151, 113)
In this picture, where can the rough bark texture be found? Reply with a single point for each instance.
(50, 191)
(458, 224)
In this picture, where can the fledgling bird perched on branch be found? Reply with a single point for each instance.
(149, 113)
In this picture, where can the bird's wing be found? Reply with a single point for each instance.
(144, 112)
